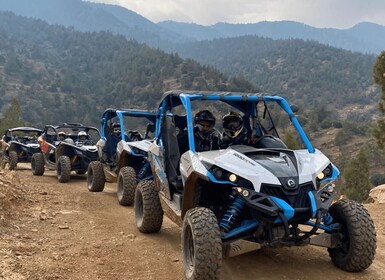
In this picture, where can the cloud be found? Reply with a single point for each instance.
(318, 13)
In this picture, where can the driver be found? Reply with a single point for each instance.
(62, 135)
(82, 136)
(205, 136)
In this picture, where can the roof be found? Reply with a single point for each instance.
(25, 128)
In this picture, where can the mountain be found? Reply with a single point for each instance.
(59, 74)
(87, 16)
(363, 37)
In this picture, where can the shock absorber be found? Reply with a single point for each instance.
(327, 218)
(144, 171)
(231, 216)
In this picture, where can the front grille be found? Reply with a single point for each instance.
(298, 199)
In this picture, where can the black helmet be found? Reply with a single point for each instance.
(232, 124)
(204, 115)
(116, 128)
(204, 121)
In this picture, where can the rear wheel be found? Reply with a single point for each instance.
(357, 246)
(37, 164)
(201, 244)
(126, 186)
(148, 211)
(63, 169)
(95, 176)
(12, 160)
(3, 162)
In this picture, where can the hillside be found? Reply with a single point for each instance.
(59, 74)
(299, 70)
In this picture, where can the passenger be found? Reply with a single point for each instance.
(234, 132)
(205, 136)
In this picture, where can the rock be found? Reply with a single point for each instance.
(131, 236)
(63, 227)
(378, 194)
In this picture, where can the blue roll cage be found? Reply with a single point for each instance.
(234, 100)
(112, 113)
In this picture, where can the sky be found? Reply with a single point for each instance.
(317, 13)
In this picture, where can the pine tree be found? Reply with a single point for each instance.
(357, 183)
(12, 117)
(291, 140)
(379, 78)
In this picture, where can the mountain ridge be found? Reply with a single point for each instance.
(363, 37)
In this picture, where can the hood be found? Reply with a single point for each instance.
(88, 148)
(267, 166)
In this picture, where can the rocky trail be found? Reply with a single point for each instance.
(50, 230)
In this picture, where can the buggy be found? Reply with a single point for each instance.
(18, 145)
(123, 155)
(71, 153)
(241, 198)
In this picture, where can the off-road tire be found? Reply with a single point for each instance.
(63, 169)
(37, 164)
(148, 211)
(201, 244)
(95, 177)
(12, 160)
(358, 245)
(3, 162)
(126, 186)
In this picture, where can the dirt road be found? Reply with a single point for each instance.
(50, 230)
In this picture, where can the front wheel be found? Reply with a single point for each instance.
(126, 186)
(148, 210)
(37, 164)
(201, 244)
(95, 177)
(357, 246)
(63, 169)
(12, 160)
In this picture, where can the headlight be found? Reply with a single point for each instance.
(233, 178)
(326, 173)
(224, 175)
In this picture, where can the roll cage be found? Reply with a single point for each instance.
(25, 133)
(247, 104)
(113, 115)
(51, 131)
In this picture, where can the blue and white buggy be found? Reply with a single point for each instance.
(241, 198)
(123, 154)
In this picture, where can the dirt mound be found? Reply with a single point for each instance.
(378, 194)
(12, 195)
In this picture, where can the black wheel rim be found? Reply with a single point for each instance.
(139, 208)
(120, 187)
(90, 178)
(189, 255)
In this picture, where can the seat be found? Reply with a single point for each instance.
(171, 151)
